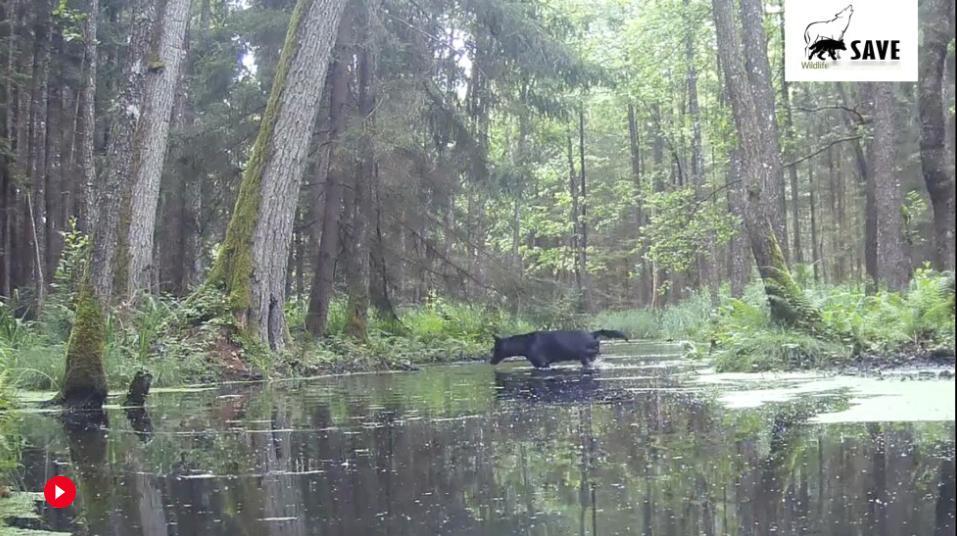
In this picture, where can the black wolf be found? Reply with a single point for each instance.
(828, 46)
(542, 348)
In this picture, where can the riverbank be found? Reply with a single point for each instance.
(857, 331)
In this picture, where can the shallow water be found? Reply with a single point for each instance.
(644, 445)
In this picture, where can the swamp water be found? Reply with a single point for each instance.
(647, 444)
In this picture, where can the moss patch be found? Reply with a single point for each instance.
(786, 299)
(84, 383)
(233, 268)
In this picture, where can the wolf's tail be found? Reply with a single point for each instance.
(609, 334)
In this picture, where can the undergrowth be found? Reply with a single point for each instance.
(883, 327)
(168, 337)
(175, 338)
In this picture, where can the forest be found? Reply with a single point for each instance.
(210, 189)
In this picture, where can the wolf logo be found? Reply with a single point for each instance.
(825, 46)
(831, 31)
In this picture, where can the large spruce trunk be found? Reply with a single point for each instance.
(86, 122)
(320, 293)
(360, 209)
(152, 138)
(936, 161)
(251, 266)
(893, 265)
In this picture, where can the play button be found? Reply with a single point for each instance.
(59, 492)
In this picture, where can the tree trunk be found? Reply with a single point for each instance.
(7, 192)
(115, 185)
(791, 143)
(812, 190)
(761, 175)
(152, 137)
(705, 259)
(739, 257)
(586, 301)
(84, 383)
(575, 217)
(838, 245)
(635, 152)
(86, 124)
(358, 250)
(38, 145)
(935, 159)
(320, 292)
(251, 266)
(55, 187)
(379, 271)
(893, 268)
(758, 68)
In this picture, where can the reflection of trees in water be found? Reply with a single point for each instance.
(87, 439)
(657, 463)
(945, 508)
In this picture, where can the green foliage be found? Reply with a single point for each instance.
(9, 438)
(915, 214)
(682, 226)
(749, 341)
(892, 326)
(687, 320)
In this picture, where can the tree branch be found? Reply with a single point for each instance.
(821, 150)
(853, 111)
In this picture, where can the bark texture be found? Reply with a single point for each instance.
(755, 40)
(320, 293)
(115, 184)
(252, 264)
(86, 122)
(936, 161)
(152, 138)
(760, 174)
(893, 266)
(359, 230)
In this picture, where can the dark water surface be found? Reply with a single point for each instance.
(633, 448)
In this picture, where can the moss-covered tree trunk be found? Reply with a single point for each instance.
(759, 173)
(251, 267)
(84, 383)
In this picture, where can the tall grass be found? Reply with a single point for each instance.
(9, 438)
(688, 319)
(437, 331)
